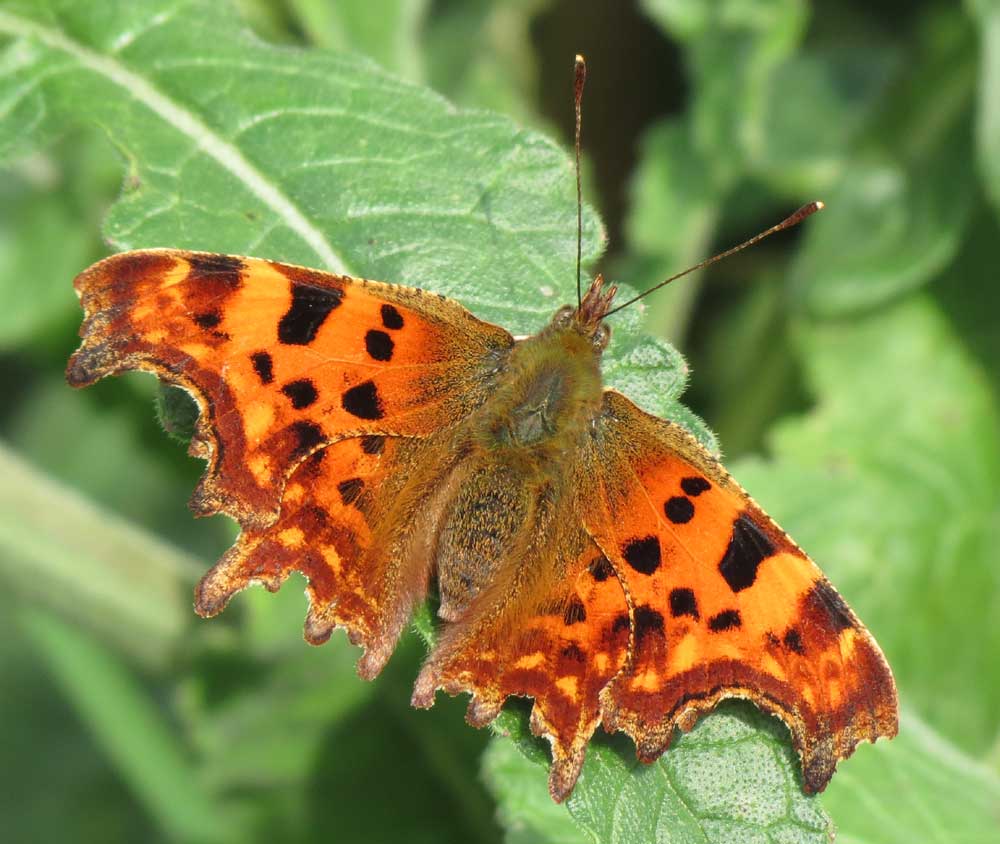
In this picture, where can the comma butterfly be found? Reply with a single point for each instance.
(381, 439)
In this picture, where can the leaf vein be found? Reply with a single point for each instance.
(187, 123)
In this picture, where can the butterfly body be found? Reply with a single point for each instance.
(517, 461)
(384, 442)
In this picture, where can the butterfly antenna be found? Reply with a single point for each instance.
(789, 221)
(580, 77)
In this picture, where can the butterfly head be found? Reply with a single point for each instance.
(588, 317)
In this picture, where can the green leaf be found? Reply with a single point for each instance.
(61, 551)
(987, 13)
(900, 207)
(892, 484)
(525, 808)
(732, 778)
(130, 728)
(732, 49)
(386, 31)
(226, 154)
(918, 788)
(463, 203)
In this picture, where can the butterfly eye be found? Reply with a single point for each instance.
(563, 316)
(602, 337)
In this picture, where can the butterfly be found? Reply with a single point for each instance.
(389, 445)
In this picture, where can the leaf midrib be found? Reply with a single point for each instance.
(189, 124)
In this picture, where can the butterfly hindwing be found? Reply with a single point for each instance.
(281, 360)
(560, 646)
(722, 603)
(336, 528)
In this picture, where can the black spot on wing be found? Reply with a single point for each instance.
(373, 444)
(793, 641)
(363, 401)
(302, 393)
(263, 365)
(307, 435)
(601, 569)
(208, 319)
(679, 509)
(391, 318)
(222, 270)
(826, 604)
(379, 345)
(647, 622)
(683, 602)
(725, 620)
(350, 490)
(574, 613)
(643, 554)
(748, 548)
(310, 307)
(573, 652)
(695, 486)
(621, 623)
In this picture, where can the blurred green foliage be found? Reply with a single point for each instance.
(851, 371)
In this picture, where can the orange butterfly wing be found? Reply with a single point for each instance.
(331, 528)
(722, 603)
(559, 645)
(281, 360)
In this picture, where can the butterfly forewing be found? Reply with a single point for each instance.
(281, 360)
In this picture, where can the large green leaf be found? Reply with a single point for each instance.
(918, 788)
(732, 778)
(237, 146)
